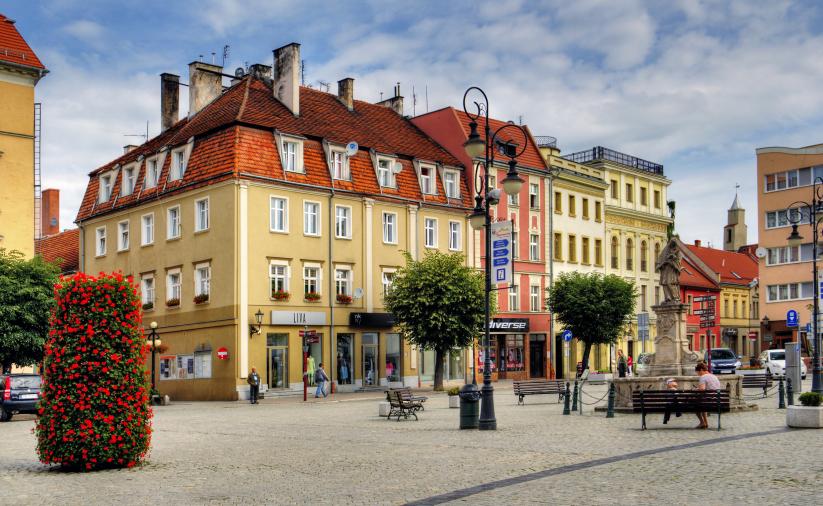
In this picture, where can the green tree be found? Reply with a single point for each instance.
(26, 298)
(438, 304)
(593, 306)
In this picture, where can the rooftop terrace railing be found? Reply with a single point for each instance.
(545, 141)
(601, 153)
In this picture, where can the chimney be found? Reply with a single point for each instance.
(205, 85)
(260, 71)
(50, 212)
(345, 92)
(697, 242)
(286, 86)
(169, 100)
(128, 148)
(395, 103)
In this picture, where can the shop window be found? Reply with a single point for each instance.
(345, 354)
(393, 355)
(512, 357)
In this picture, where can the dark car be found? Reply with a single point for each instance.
(20, 394)
(724, 361)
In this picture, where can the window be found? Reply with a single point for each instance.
(598, 252)
(340, 165)
(100, 241)
(311, 279)
(390, 228)
(388, 281)
(342, 225)
(129, 177)
(311, 218)
(644, 256)
(534, 298)
(278, 214)
(123, 236)
(615, 189)
(534, 196)
(598, 211)
(105, 187)
(656, 252)
(629, 254)
(792, 178)
(202, 364)
(202, 280)
(584, 250)
(643, 292)
(178, 165)
(791, 291)
(656, 295)
(788, 254)
(431, 232)
(385, 173)
(784, 218)
(147, 236)
(657, 199)
(278, 277)
(585, 204)
(572, 248)
(534, 247)
(734, 309)
(454, 235)
(291, 157)
(514, 303)
(173, 284)
(572, 206)
(690, 303)
(644, 197)
(201, 215)
(629, 192)
(615, 252)
(343, 281)
(558, 246)
(514, 200)
(451, 182)
(147, 288)
(725, 308)
(558, 202)
(152, 173)
(173, 222)
(427, 180)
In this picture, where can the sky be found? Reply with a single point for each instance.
(696, 85)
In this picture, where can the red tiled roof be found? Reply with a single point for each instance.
(235, 136)
(732, 267)
(13, 47)
(692, 276)
(63, 248)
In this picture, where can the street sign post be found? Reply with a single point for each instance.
(707, 321)
(501, 232)
(567, 335)
(643, 329)
(791, 318)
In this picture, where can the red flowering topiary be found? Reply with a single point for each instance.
(94, 410)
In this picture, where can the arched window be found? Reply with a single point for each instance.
(656, 252)
(629, 255)
(615, 251)
(644, 256)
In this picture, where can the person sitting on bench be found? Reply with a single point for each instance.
(707, 382)
(671, 384)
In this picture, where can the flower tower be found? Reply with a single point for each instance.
(94, 409)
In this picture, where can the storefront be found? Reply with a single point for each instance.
(516, 353)
(384, 359)
(279, 356)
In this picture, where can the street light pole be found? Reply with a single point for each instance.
(485, 197)
(153, 336)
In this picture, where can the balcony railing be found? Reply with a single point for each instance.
(545, 141)
(601, 153)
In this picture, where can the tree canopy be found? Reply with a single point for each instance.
(593, 306)
(26, 298)
(438, 304)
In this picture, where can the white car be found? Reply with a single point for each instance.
(775, 363)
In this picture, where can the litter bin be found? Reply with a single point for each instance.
(469, 406)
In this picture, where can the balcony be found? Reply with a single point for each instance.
(545, 141)
(599, 153)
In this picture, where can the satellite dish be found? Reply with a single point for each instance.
(760, 252)
(351, 148)
(398, 168)
(358, 293)
(239, 72)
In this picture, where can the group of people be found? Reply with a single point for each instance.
(319, 374)
(624, 365)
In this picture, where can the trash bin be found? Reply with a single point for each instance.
(469, 406)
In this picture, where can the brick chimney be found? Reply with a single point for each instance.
(345, 92)
(128, 148)
(169, 100)
(395, 103)
(286, 85)
(205, 85)
(697, 242)
(50, 212)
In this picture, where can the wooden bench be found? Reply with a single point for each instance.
(406, 392)
(763, 381)
(522, 388)
(681, 401)
(402, 404)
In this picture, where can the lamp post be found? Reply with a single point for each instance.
(257, 327)
(796, 214)
(154, 344)
(485, 197)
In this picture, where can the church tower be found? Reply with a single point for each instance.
(734, 233)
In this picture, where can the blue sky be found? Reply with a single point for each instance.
(695, 85)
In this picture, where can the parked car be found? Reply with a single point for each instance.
(20, 394)
(642, 363)
(775, 363)
(724, 361)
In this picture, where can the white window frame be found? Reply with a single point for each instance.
(306, 222)
(199, 281)
(147, 233)
(177, 168)
(428, 180)
(201, 225)
(285, 214)
(389, 228)
(534, 298)
(170, 287)
(534, 247)
(433, 230)
(534, 196)
(152, 172)
(106, 185)
(514, 298)
(455, 233)
(391, 181)
(452, 188)
(387, 279)
(347, 280)
(346, 221)
(318, 279)
(171, 232)
(123, 239)
(514, 200)
(147, 295)
(100, 241)
(286, 276)
(339, 162)
(297, 162)
(129, 179)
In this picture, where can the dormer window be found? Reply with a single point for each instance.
(129, 177)
(291, 155)
(106, 183)
(427, 180)
(152, 173)
(451, 181)
(385, 173)
(178, 165)
(340, 165)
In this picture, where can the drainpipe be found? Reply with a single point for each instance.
(550, 212)
(82, 259)
(332, 354)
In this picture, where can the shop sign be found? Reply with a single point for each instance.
(371, 320)
(501, 325)
(222, 353)
(298, 318)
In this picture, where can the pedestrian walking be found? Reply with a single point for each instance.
(320, 378)
(629, 364)
(254, 385)
(621, 364)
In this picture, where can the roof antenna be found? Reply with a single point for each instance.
(414, 102)
(302, 72)
(145, 136)
(212, 57)
(381, 96)
(200, 58)
(427, 98)
(225, 54)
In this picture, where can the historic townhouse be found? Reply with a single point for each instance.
(270, 209)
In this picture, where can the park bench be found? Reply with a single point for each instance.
(401, 403)
(680, 401)
(522, 388)
(763, 381)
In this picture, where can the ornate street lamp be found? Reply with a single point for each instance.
(810, 212)
(257, 327)
(155, 342)
(485, 197)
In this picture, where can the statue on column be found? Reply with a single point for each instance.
(669, 267)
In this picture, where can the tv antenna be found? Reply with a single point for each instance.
(145, 136)
(225, 54)
(323, 84)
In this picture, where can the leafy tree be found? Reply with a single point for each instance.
(593, 306)
(95, 409)
(438, 304)
(26, 297)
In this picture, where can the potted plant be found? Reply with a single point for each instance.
(454, 397)
(280, 295)
(173, 302)
(201, 298)
(311, 297)
(342, 298)
(809, 415)
(148, 306)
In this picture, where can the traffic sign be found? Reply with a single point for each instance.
(567, 335)
(501, 232)
(791, 318)
(222, 353)
(308, 333)
(313, 339)
(705, 298)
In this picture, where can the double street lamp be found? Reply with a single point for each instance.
(155, 342)
(483, 149)
(801, 212)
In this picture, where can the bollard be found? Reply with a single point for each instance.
(566, 400)
(789, 392)
(610, 410)
(574, 397)
(580, 397)
(781, 400)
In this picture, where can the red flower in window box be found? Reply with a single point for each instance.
(280, 295)
(311, 296)
(173, 302)
(201, 298)
(342, 298)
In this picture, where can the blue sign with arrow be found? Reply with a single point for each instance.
(567, 335)
(791, 318)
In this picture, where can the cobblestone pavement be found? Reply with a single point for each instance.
(338, 451)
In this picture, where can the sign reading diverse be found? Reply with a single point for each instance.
(501, 232)
(515, 325)
(222, 353)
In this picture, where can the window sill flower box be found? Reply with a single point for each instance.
(201, 298)
(281, 295)
(148, 306)
(344, 299)
(311, 297)
(173, 302)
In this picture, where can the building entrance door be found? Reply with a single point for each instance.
(277, 360)
(537, 357)
(559, 351)
(370, 354)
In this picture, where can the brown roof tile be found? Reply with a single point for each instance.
(14, 48)
(63, 248)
